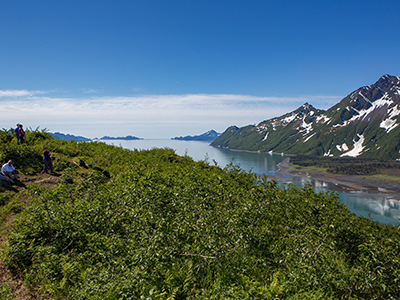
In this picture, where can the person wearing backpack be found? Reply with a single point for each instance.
(47, 162)
(17, 133)
(21, 134)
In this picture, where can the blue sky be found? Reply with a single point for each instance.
(160, 69)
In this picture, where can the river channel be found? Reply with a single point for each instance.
(380, 207)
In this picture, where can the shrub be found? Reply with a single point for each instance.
(150, 224)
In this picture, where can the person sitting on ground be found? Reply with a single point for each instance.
(5, 178)
(48, 164)
(9, 170)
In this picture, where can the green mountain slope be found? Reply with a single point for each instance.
(363, 124)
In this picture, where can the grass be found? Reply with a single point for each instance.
(384, 175)
(307, 169)
(385, 178)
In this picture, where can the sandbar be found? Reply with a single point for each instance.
(341, 183)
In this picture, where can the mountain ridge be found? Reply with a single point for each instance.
(363, 124)
(68, 137)
(210, 136)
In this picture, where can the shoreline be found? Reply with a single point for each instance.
(251, 151)
(341, 183)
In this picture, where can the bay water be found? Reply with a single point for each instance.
(380, 207)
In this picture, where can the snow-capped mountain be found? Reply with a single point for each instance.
(363, 124)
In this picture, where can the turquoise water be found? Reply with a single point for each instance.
(382, 208)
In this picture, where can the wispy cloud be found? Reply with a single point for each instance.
(148, 115)
(19, 93)
(89, 91)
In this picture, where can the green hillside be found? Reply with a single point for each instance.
(363, 124)
(153, 225)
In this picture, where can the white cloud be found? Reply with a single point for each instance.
(89, 91)
(148, 116)
(19, 93)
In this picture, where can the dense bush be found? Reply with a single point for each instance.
(159, 226)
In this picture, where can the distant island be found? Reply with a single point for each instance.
(69, 137)
(127, 138)
(209, 136)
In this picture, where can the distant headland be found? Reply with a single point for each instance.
(68, 137)
(127, 138)
(209, 136)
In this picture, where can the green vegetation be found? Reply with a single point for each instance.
(153, 225)
(349, 165)
(310, 131)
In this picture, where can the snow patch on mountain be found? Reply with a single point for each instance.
(323, 118)
(262, 128)
(365, 98)
(362, 114)
(329, 153)
(266, 136)
(309, 137)
(342, 147)
(389, 123)
(358, 147)
(305, 127)
(289, 119)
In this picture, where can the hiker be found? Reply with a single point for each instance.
(21, 134)
(9, 171)
(48, 164)
(5, 178)
(17, 133)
